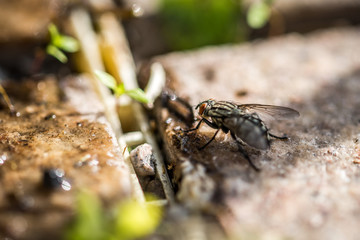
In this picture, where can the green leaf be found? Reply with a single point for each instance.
(135, 220)
(120, 89)
(106, 79)
(89, 222)
(58, 41)
(258, 14)
(138, 95)
(130, 220)
(53, 31)
(56, 53)
(66, 43)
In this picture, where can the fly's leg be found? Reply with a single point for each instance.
(213, 137)
(195, 128)
(277, 137)
(243, 152)
(210, 124)
(247, 157)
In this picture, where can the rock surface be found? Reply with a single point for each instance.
(59, 144)
(309, 186)
(142, 158)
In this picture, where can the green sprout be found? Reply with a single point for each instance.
(259, 14)
(135, 220)
(59, 43)
(119, 89)
(89, 221)
(130, 220)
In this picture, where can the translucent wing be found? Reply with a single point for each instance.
(269, 112)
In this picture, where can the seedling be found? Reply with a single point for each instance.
(129, 219)
(59, 43)
(259, 13)
(119, 88)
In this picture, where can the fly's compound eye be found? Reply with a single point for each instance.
(202, 108)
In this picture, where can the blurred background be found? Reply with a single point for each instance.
(159, 26)
(46, 41)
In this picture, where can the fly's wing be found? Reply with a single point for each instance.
(248, 129)
(269, 112)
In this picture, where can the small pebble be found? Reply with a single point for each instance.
(143, 159)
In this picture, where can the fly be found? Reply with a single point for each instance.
(243, 121)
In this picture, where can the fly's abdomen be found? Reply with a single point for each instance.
(250, 129)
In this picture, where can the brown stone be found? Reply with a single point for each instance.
(58, 128)
(308, 186)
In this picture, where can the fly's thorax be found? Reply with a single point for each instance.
(224, 105)
(222, 109)
(217, 121)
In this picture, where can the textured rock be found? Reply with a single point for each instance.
(309, 186)
(142, 158)
(59, 131)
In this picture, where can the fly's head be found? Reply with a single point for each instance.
(205, 106)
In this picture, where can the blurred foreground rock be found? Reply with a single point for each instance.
(58, 144)
(309, 186)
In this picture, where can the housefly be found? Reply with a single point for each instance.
(243, 121)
